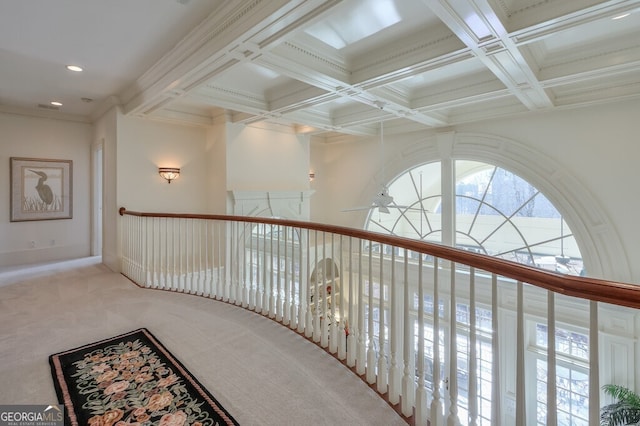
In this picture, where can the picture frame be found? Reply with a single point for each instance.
(41, 189)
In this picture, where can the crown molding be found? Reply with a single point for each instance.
(36, 113)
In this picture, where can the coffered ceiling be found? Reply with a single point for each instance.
(323, 67)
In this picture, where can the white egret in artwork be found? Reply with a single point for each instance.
(44, 190)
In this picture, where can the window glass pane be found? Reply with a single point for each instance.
(572, 379)
(497, 213)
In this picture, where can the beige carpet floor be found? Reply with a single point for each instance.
(260, 371)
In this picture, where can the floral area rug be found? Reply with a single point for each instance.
(131, 379)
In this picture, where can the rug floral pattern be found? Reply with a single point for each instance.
(132, 383)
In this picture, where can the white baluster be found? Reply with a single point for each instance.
(308, 329)
(362, 348)
(212, 243)
(237, 282)
(452, 418)
(206, 288)
(316, 294)
(333, 330)
(192, 256)
(473, 372)
(154, 256)
(228, 264)
(201, 246)
(421, 414)
(265, 279)
(395, 377)
(303, 281)
(294, 309)
(241, 266)
(222, 255)
(594, 369)
(252, 282)
(162, 244)
(351, 338)
(382, 383)
(371, 352)
(520, 371)
(142, 247)
(552, 405)
(278, 279)
(272, 283)
(258, 284)
(408, 377)
(174, 273)
(496, 394)
(286, 319)
(324, 321)
(147, 253)
(436, 403)
(342, 342)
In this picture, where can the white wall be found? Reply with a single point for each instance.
(597, 146)
(32, 137)
(217, 172)
(266, 159)
(145, 145)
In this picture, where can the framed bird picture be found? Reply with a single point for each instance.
(41, 189)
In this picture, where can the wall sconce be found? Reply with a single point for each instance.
(312, 176)
(169, 173)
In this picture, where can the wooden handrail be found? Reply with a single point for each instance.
(616, 293)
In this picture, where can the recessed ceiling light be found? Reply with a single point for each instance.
(74, 68)
(621, 16)
(56, 103)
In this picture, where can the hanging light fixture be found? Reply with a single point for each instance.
(169, 173)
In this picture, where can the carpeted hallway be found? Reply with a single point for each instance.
(262, 373)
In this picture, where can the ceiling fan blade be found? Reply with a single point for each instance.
(354, 209)
(413, 209)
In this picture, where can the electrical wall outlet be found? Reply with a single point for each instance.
(32, 244)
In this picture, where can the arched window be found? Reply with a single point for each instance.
(481, 208)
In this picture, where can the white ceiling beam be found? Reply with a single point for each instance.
(330, 78)
(478, 26)
(229, 36)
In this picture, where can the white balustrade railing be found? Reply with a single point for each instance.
(446, 336)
